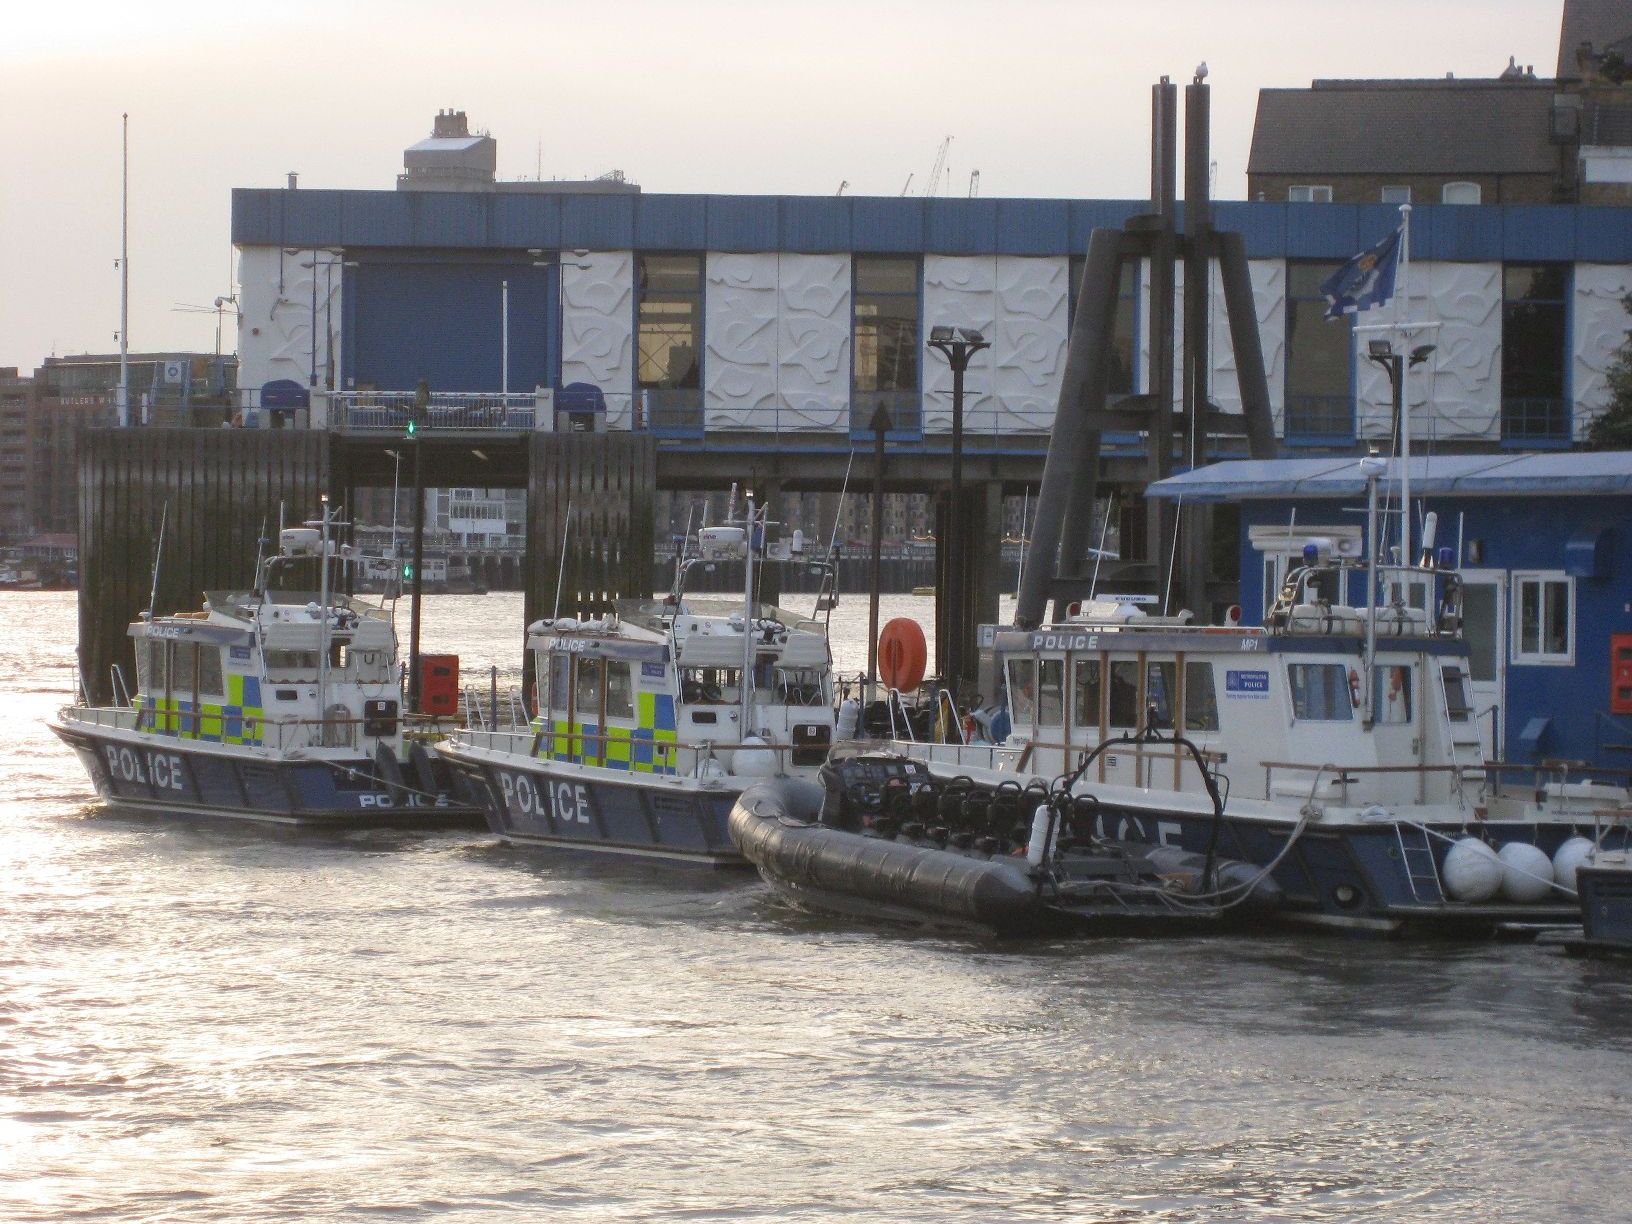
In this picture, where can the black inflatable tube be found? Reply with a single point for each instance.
(773, 825)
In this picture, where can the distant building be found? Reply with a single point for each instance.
(1509, 139)
(16, 454)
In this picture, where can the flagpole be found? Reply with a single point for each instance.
(1402, 293)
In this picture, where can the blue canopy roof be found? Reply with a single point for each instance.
(1557, 473)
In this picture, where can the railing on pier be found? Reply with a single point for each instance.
(461, 411)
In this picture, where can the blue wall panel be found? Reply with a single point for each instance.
(1455, 232)
(883, 223)
(1033, 227)
(814, 224)
(1603, 235)
(960, 227)
(742, 223)
(375, 218)
(441, 322)
(597, 223)
(1536, 231)
(526, 222)
(1328, 231)
(671, 223)
(1089, 215)
(1261, 224)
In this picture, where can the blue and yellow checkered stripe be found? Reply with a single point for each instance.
(238, 720)
(648, 747)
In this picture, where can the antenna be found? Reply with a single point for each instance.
(561, 570)
(158, 556)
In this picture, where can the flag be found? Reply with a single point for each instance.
(1365, 281)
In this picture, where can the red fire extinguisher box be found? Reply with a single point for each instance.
(439, 685)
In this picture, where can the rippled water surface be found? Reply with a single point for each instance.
(221, 1023)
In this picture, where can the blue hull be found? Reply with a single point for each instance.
(1606, 908)
(1358, 877)
(176, 779)
(531, 803)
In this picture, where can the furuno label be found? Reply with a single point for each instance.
(161, 769)
(1246, 684)
(565, 802)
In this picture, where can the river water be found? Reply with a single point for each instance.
(227, 1024)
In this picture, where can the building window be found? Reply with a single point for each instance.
(1309, 194)
(1395, 195)
(1319, 377)
(669, 340)
(1534, 335)
(886, 343)
(1124, 378)
(1543, 618)
(1460, 193)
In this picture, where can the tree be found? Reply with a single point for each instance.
(1612, 430)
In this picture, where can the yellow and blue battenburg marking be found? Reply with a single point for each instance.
(647, 747)
(238, 720)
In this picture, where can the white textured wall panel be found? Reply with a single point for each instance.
(959, 291)
(1028, 348)
(275, 331)
(1269, 304)
(740, 337)
(1456, 394)
(1599, 327)
(597, 327)
(813, 341)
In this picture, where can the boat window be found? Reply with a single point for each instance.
(587, 688)
(1457, 705)
(181, 667)
(372, 666)
(150, 669)
(209, 671)
(1125, 693)
(1393, 704)
(1320, 692)
(283, 662)
(800, 686)
(1160, 694)
(1200, 700)
(1022, 691)
(620, 689)
(709, 685)
(1085, 709)
(1051, 692)
(560, 677)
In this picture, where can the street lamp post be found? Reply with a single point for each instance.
(957, 345)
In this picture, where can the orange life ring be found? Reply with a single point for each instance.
(903, 655)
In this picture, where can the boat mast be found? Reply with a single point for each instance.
(1403, 358)
(745, 689)
(323, 633)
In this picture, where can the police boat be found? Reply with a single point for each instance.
(647, 721)
(1341, 734)
(273, 705)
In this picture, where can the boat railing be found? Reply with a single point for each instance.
(1346, 775)
(275, 734)
(120, 718)
(116, 684)
(584, 747)
(1143, 751)
(1558, 771)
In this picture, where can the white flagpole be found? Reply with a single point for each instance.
(1402, 291)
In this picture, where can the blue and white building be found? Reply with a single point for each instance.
(706, 316)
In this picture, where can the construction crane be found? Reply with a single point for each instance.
(845, 183)
(974, 183)
(907, 185)
(934, 186)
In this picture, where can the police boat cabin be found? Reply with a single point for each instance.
(273, 705)
(1342, 738)
(651, 719)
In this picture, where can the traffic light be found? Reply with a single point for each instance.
(408, 571)
(412, 427)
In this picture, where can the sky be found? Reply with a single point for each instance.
(1045, 97)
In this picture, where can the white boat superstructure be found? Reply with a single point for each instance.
(650, 719)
